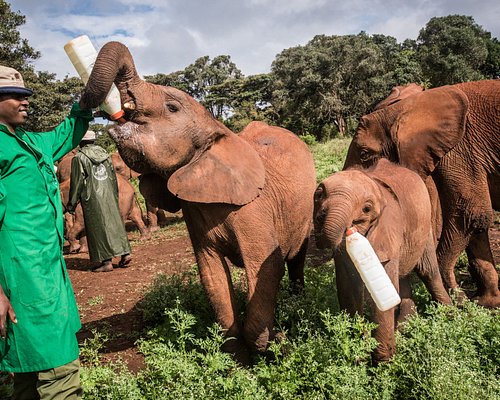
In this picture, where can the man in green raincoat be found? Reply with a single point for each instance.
(93, 182)
(38, 312)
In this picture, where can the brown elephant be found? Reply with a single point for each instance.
(246, 197)
(451, 133)
(63, 171)
(390, 205)
(129, 210)
(155, 216)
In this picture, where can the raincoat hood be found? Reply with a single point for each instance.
(95, 153)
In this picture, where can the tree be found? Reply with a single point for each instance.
(15, 52)
(323, 87)
(211, 82)
(456, 49)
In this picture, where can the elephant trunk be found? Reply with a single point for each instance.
(114, 63)
(338, 219)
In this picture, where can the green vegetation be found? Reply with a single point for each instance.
(443, 353)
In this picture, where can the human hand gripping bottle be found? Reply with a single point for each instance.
(82, 54)
(372, 272)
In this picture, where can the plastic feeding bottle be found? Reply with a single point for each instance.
(82, 54)
(372, 272)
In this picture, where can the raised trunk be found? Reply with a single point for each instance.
(114, 63)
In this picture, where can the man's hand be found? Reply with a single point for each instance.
(5, 310)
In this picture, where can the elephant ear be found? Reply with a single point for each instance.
(230, 172)
(430, 124)
(399, 93)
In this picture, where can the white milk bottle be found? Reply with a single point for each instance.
(82, 54)
(372, 272)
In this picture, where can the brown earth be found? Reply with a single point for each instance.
(109, 301)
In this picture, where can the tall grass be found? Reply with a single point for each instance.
(442, 353)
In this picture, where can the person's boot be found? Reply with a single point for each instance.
(106, 266)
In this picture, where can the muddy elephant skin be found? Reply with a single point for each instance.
(452, 135)
(390, 205)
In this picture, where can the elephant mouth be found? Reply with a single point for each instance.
(130, 146)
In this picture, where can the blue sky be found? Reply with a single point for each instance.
(167, 35)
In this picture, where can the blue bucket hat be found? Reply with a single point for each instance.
(11, 82)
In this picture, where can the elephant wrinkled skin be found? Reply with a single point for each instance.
(246, 197)
(390, 205)
(451, 134)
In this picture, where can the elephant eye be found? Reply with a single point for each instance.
(367, 208)
(364, 155)
(172, 107)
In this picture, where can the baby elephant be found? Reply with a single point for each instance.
(390, 205)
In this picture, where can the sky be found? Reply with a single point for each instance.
(167, 35)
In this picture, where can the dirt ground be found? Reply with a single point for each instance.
(109, 300)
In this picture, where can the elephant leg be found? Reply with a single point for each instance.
(295, 267)
(453, 241)
(350, 287)
(407, 306)
(428, 271)
(161, 217)
(152, 217)
(482, 269)
(216, 279)
(263, 276)
(384, 333)
(135, 216)
(84, 248)
(73, 233)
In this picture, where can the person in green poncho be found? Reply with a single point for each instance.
(38, 311)
(93, 183)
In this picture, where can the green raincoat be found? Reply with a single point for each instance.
(32, 269)
(93, 182)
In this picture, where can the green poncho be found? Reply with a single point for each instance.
(93, 183)
(32, 270)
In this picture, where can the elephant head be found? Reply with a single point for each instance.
(168, 133)
(345, 199)
(415, 132)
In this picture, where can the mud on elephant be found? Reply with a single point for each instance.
(451, 134)
(390, 205)
(246, 198)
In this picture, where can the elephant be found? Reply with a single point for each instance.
(452, 135)
(63, 171)
(246, 198)
(129, 209)
(155, 215)
(390, 205)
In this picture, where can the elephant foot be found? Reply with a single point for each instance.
(83, 249)
(154, 228)
(239, 351)
(145, 236)
(488, 301)
(458, 296)
(74, 248)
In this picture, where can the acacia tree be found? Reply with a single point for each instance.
(456, 49)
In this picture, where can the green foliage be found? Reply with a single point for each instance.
(443, 353)
(329, 157)
(456, 49)
(15, 51)
(449, 353)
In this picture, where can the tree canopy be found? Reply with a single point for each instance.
(319, 89)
